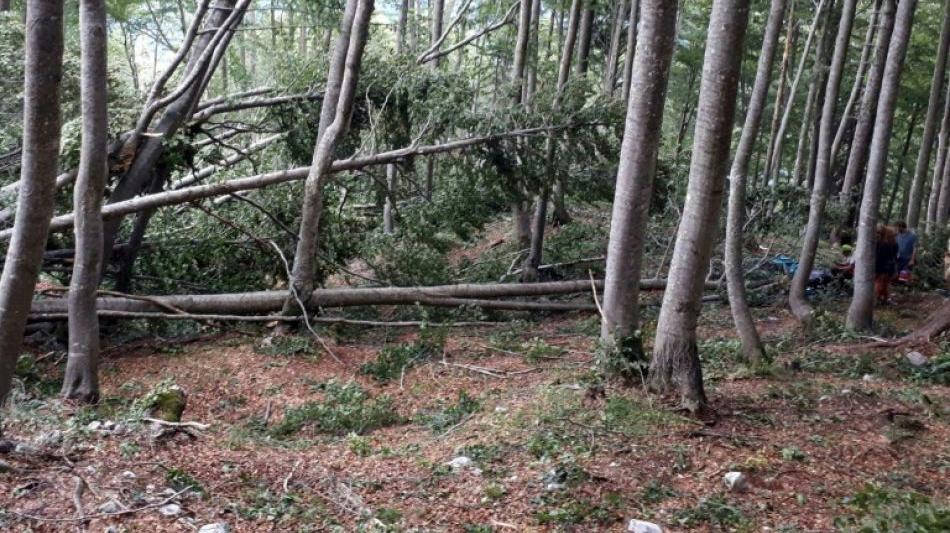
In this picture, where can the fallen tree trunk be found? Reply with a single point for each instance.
(198, 192)
(262, 302)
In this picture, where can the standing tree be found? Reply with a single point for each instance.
(334, 120)
(751, 344)
(819, 194)
(675, 365)
(43, 73)
(632, 21)
(861, 312)
(82, 380)
(930, 122)
(638, 153)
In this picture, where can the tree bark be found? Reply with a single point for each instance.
(819, 195)
(634, 184)
(791, 35)
(401, 26)
(82, 378)
(864, 130)
(901, 166)
(856, 88)
(347, 59)
(43, 67)
(861, 312)
(943, 200)
(270, 301)
(675, 365)
(930, 122)
(632, 23)
(943, 149)
(745, 326)
(389, 207)
(585, 38)
(4, 5)
(520, 214)
(616, 30)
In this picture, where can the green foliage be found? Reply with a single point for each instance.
(392, 361)
(937, 369)
(714, 511)
(877, 509)
(444, 417)
(624, 358)
(180, 480)
(345, 408)
(285, 345)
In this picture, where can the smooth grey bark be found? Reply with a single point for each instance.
(943, 199)
(401, 26)
(819, 194)
(802, 161)
(536, 245)
(675, 365)
(616, 30)
(4, 5)
(632, 22)
(778, 142)
(303, 272)
(752, 347)
(81, 381)
(390, 205)
(534, 34)
(859, 78)
(43, 68)
(584, 40)
(270, 301)
(791, 36)
(437, 9)
(861, 311)
(936, 185)
(635, 174)
(930, 122)
(520, 214)
(864, 130)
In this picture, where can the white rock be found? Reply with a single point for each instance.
(501, 409)
(460, 462)
(111, 507)
(845, 392)
(108, 425)
(172, 509)
(642, 526)
(150, 488)
(916, 359)
(867, 377)
(736, 481)
(128, 474)
(95, 425)
(220, 527)
(553, 486)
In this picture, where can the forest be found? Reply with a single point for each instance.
(475, 265)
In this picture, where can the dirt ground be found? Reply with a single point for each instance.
(829, 426)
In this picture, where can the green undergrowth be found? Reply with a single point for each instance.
(345, 408)
(444, 416)
(393, 361)
(877, 509)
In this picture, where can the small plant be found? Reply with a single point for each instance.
(285, 345)
(536, 350)
(180, 480)
(876, 509)
(388, 515)
(359, 445)
(625, 358)
(495, 491)
(715, 511)
(129, 449)
(792, 453)
(656, 491)
(442, 419)
(392, 361)
(345, 409)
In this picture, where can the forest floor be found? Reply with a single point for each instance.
(493, 429)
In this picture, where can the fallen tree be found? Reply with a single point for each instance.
(262, 302)
(198, 192)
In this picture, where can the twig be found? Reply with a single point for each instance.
(289, 476)
(102, 515)
(195, 425)
(593, 288)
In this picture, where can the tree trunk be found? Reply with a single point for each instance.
(610, 68)
(401, 26)
(536, 243)
(634, 184)
(745, 326)
(43, 67)
(345, 66)
(791, 35)
(520, 213)
(808, 133)
(856, 88)
(388, 208)
(675, 365)
(943, 149)
(901, 166)
(943, 200)
(930, 122)
(4, 5)
(861, 312)
(585, 39)
(819, 195)
(437, 8)
(632, 22)
(779, 139)
(864, 130)
(82, 378)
